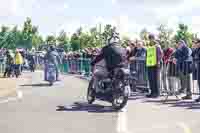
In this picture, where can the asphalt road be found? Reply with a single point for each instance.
(62, 108)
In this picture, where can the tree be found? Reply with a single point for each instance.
(50, 39)
(37, 41)
(75, 42)
(4, 29)
(79, 31)
(107, 32)
(95, 38)
(9, 38)
(3, 36)
(184, 34)
(125, 41)
(85, 39)
(62, 38)
(165, 36)
(28, 32)
(144, 34)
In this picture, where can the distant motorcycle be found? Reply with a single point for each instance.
(115, 89)
(50, 73)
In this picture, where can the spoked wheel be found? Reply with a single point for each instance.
(90, 94)
(120, 98)
(119, 102)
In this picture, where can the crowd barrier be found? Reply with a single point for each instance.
(168, 74)
(2, 67)
(171, 71)
(76, 66)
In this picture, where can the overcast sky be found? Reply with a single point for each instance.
(129, 15)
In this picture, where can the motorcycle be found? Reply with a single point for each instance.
(115, 89)
(50, 73)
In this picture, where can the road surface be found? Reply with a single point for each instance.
(62, 108)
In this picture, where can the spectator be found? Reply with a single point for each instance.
(18, 62)
(167, 65)
(196, 56)
(9, 63)
(131, 55)
(131, 50)
(183, 60)
(153, 60)
(32, 62)
(140, 50)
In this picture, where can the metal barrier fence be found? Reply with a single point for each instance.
(2, 67)
(76, 66)
(168, 74)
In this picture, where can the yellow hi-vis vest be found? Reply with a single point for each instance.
(151, 59)
(18, 59)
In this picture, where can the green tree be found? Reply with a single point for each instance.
(75, 42)
(37, 41)
(95, 38)
(125, 41)
(144, 35)
(183, 33)
(165, 36)
(107, 32)
(3, 36)
(62, 38)
(50, 39)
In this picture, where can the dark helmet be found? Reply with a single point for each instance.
(52, 48)
(151, 36)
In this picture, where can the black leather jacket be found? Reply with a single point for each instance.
(114, 56)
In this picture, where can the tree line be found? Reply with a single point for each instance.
(29, 37)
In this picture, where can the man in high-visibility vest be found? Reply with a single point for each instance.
(153, 60)
(18, 61)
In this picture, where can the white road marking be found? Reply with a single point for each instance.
(122, 124)
(185, 127)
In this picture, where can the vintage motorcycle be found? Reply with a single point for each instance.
(115, 88)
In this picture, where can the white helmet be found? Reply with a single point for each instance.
(114, 39)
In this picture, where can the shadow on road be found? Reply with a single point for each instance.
(176, 103)
(83, 106)
(36, 85)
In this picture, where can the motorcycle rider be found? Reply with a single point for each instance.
(113, 55)
(53, 57)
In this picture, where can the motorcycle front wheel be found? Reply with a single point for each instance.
(119, 102)
(120, 98)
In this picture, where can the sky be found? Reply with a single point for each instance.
(130, 16)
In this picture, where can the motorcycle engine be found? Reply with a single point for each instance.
(106, 85)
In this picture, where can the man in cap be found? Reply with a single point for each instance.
(183, 60)
(196, 59)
